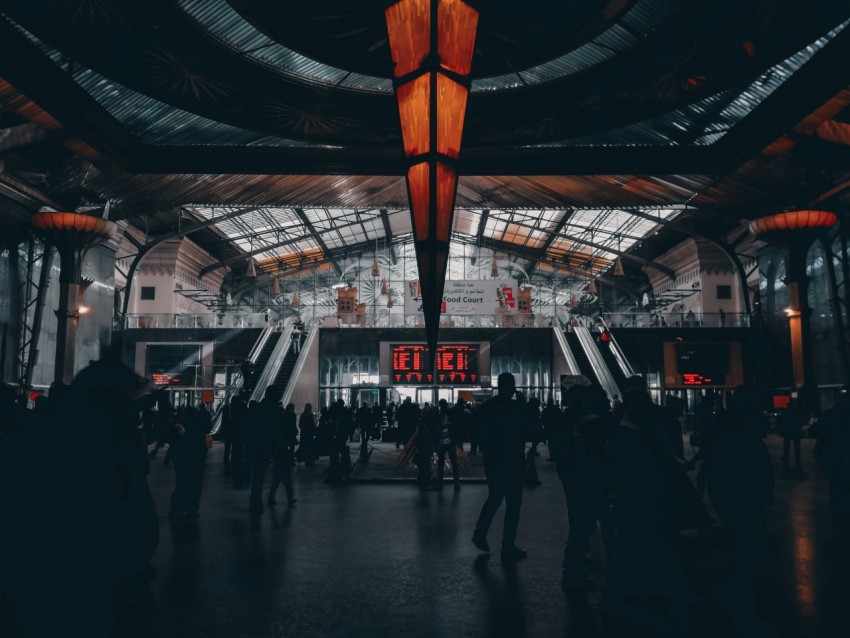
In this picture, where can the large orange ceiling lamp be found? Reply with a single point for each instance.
(431, 42)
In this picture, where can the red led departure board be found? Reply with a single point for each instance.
(456, 365)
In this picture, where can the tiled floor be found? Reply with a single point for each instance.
(387, 560)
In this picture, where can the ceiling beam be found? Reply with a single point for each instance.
(321, 242)
(553, 235)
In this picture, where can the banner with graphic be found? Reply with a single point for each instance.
(468, 297)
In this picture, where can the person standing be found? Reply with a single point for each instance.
(791, 428)
(740, 484)
(247, 369)
(261, 442)
(281, 452)
(446, 442)
(290, 431)
(296, 338)
(503, 445)
(307, 450)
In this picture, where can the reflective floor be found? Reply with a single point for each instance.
(387, 560)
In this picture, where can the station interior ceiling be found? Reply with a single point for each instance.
(594, 130)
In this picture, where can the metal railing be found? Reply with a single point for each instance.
(391, 320)
(202, 320)
(676, 320)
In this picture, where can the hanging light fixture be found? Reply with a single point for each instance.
(276, 286)
(618, 268)
(389, 300)
(591, 286)
(431, 43)
(295, 303)
(251, 271)
(573, 300)
(384, 287)
(229, 299)
(494, 267)
(376, 269)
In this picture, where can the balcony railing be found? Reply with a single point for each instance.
(676, 320)
(207, 320)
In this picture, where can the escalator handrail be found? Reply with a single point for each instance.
(600, 369)
(572, 364)
(299, 364)
(618, 353)
(261, 342)
(276, 358)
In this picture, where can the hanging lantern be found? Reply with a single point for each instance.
(295, 303)
(251, 271)
(276, 286)
(431, 43)
(384, 287)
(618, 268)
(376, 269)
(591, 287)
(389, 300)
(494, 267)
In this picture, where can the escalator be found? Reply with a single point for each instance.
(262, 359)
(284, 373)
(612, 363)
(580, 357)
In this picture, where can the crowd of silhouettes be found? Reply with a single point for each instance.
(621, 465)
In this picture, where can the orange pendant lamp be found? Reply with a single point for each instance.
(431, 42)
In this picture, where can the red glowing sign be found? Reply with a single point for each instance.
(456, 365)
(696, 379)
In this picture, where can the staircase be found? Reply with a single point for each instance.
(263, 358)
(580, 356)
(278, 386)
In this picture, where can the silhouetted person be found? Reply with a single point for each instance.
(290, 431)
(535, 426)
(247, 369)
(188, 453)
(740, 485)
(578, 447)
(791, 428)
(832, 453)
(261, 441)
(426, 433)
(307, 450)
(503, 444)
(281, 451)
(164, 428)
(226, 432)
(408, 421)
(239, 466)
(447, 440)
(646, 585)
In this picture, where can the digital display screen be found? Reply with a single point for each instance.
(702, 364)
(173, 364)
(456, 365)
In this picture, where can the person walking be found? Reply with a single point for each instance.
(503, 445)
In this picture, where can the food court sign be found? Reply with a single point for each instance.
(468, 297)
